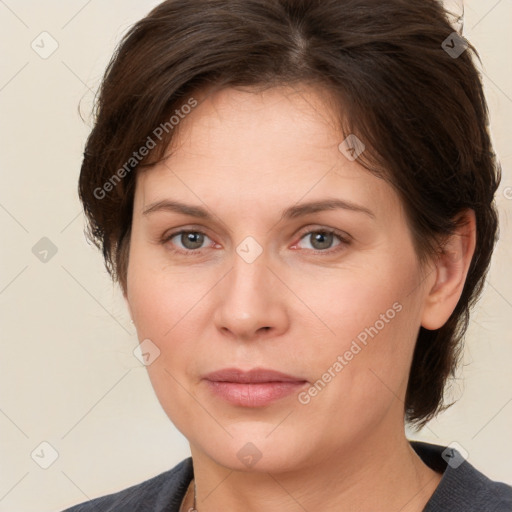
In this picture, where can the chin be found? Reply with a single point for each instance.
(254, 450)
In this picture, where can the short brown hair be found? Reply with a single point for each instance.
(420, 111)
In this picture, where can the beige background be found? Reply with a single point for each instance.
(68, 375)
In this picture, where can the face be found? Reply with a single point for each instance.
(329, 296)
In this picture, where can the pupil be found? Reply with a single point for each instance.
(189, 238)
(326, 237)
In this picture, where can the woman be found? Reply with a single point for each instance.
(296, 197)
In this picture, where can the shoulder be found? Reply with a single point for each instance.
(163, 492)
(462, 487)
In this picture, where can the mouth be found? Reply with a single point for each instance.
(254, 388)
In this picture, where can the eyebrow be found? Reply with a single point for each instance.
(291, 212)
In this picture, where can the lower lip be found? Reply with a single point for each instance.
(253, 395)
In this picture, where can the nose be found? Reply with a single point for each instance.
(251, 301)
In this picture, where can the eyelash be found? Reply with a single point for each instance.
(344, 241)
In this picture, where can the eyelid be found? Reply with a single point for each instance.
(345, 239)
(319, 228)
(166, 237)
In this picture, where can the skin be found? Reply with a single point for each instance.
(245, 157)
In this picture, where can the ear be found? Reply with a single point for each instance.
(450, 271)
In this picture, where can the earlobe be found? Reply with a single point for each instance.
(451, 268)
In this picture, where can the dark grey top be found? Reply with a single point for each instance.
(462, 488)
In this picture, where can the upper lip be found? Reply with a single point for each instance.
(250, 376)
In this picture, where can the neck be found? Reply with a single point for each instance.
(385, 476)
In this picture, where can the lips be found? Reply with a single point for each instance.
(254, 388)
(255, 375)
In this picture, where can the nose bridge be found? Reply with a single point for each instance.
(249, 278)
(248, 301)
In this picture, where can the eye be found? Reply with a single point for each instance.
(322, 239)
(191, 241)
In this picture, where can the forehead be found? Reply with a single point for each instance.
(236, 117)
(276, 146)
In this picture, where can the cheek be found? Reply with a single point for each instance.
(161, 303)
(370, 319)
(160, 296)
(351, 302)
